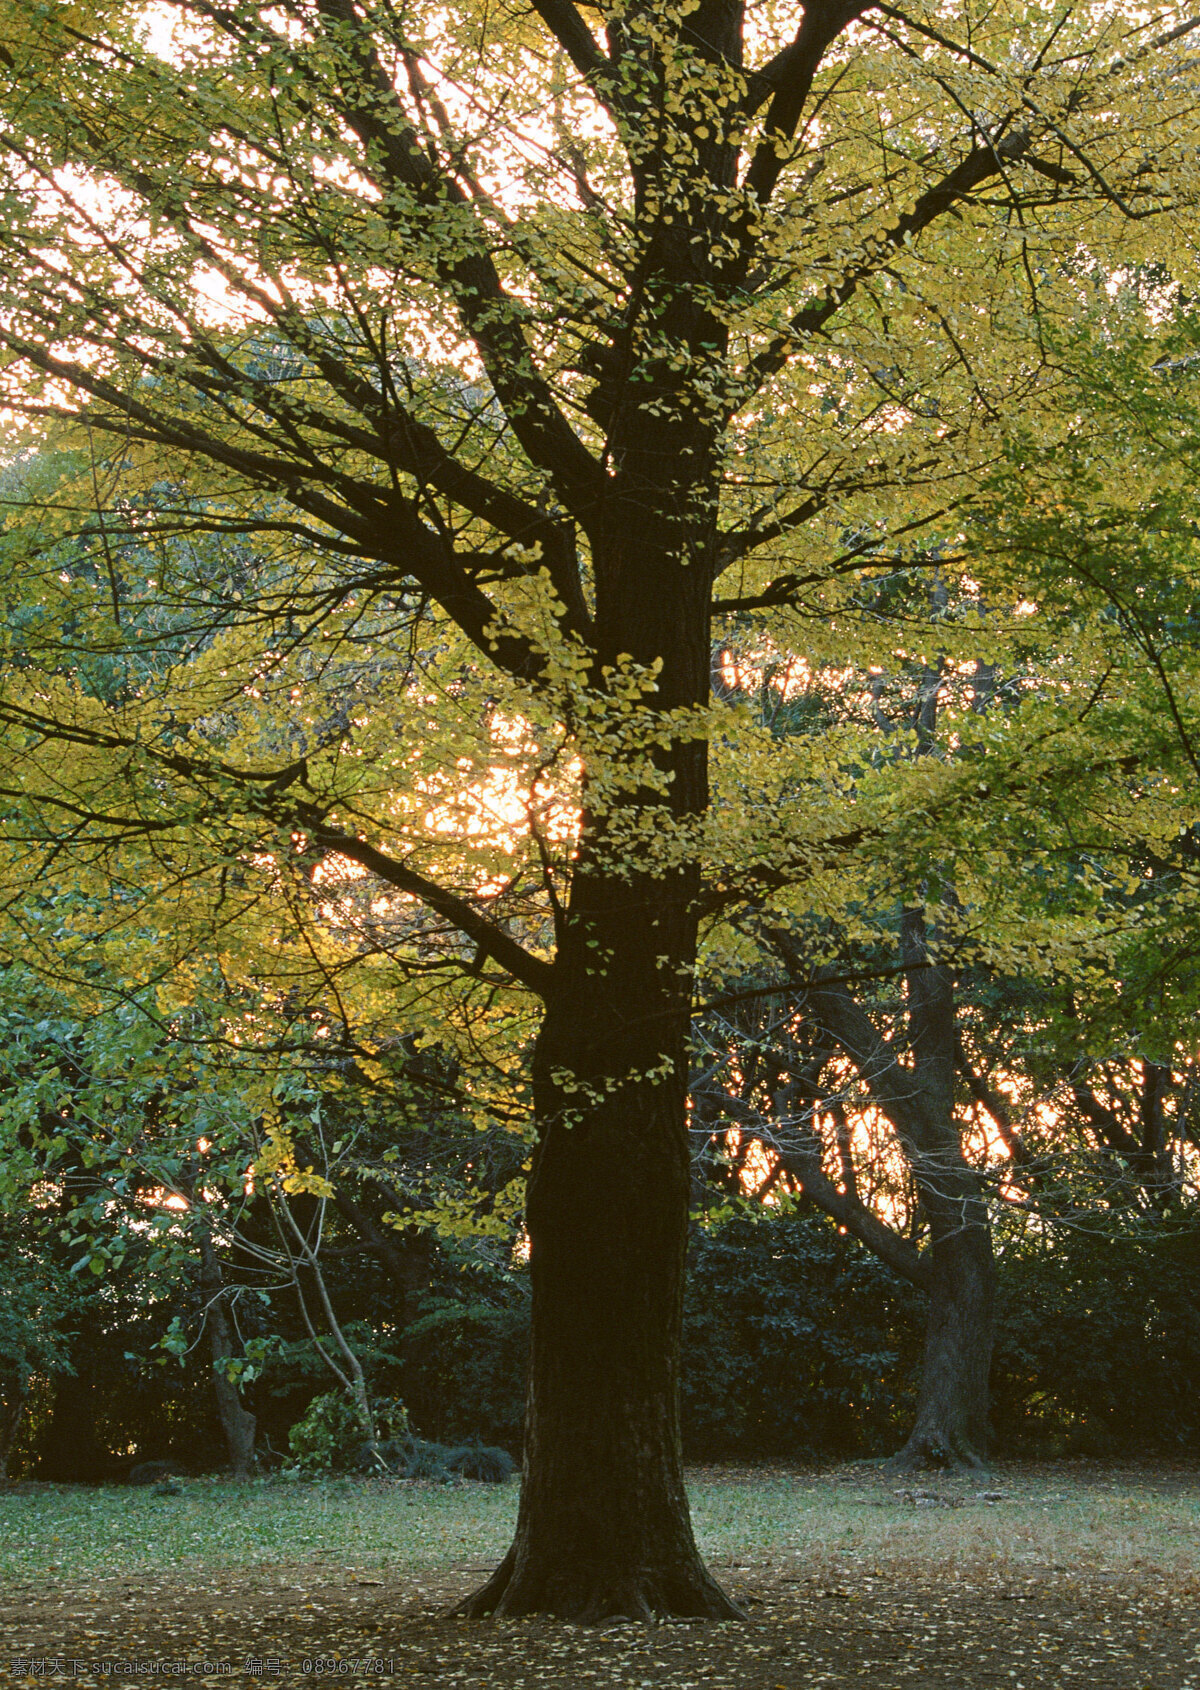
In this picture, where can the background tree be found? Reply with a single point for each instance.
(1106, 591)
(35, 1308)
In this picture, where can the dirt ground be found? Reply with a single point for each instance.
(890, 1626)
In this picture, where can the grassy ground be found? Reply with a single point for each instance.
(76, 1532)
(1075, 1570)
(1089, 1516)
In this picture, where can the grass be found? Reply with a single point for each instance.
(1064, 1515)
(74, 1531)
(1059, 1516)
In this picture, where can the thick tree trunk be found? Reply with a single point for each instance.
(603, 1528)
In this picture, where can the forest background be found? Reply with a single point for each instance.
(606, 596)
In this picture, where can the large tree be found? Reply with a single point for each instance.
(515, 345)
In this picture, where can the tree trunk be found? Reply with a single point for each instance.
(951, 1426)
(11, 1415)
(603, 1528)
(237, 1423)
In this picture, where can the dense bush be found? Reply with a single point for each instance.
(1098, 1344)
(797, 1342)
(463, 1367)
(418, 1458)
(327, 1438)
(120, 1399)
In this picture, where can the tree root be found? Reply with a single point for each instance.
(588, 1596)
(929, 1451)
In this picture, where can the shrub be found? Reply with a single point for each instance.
(328, 1437)
(465, 1361)
(796, 1341)
(421, 1458)
(153, 1472)
(481, 1461)
(1098, 1343)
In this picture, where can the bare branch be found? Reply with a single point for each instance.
(491, 940)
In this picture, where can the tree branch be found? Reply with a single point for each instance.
(803, 1163)
(779, 591)
(385, 524)
(581, 47)
(861, 1222)
(977, 167)
(492, 940)
(787, 79)
(394, 158)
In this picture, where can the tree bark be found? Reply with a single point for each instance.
(603, 1528)
(237, 1423)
